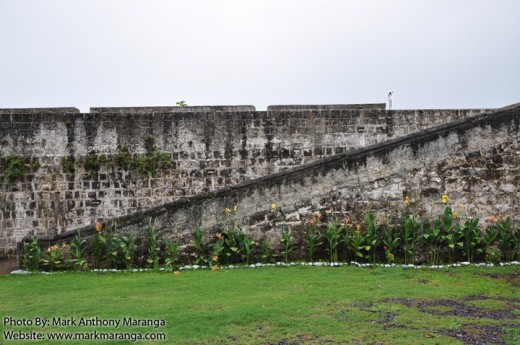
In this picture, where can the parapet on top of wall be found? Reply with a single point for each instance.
(161, 110)
(66, 110)
(320, 107)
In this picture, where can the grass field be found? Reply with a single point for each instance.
(297, 305)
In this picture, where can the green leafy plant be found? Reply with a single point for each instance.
(153, 245)
(172, 255)
(13, 168)
(199, 246)
(452, 233)
(150, 163)
(313, 237)
(123, 159)
(354, 241)
(332, 235)
(181, 104)
(391, 242)
(506, 238)
(92, 164)
(98, 245)
(67, 164)
(121, 249)
(411, 227)
(285, 241)
(432, 235)
(57, 257)
(472, 238)
(493, 254)
(490, 234)
(77, 249)
(454, 241)
(246, 245)
(390, 257)
(267, 253)
(372, 237)
(31, 255)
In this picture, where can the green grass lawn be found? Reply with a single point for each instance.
(297, 305)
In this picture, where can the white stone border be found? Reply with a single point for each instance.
(283, 264)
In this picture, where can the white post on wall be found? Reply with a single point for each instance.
(390, 99)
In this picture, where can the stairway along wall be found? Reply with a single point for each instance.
(79, 168)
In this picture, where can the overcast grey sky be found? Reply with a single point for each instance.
(431, 53)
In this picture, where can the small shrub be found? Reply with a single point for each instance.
(493, 254)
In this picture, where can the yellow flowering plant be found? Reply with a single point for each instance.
(232, 243)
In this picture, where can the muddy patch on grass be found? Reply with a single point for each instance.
(468, 307)
(478, 334)
(461, 308)
(511, 279)
(368, 312)
(303, 339)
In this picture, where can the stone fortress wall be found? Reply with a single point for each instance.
(76, 172)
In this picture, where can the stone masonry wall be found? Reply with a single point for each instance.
(74, 181)
(476, 161)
